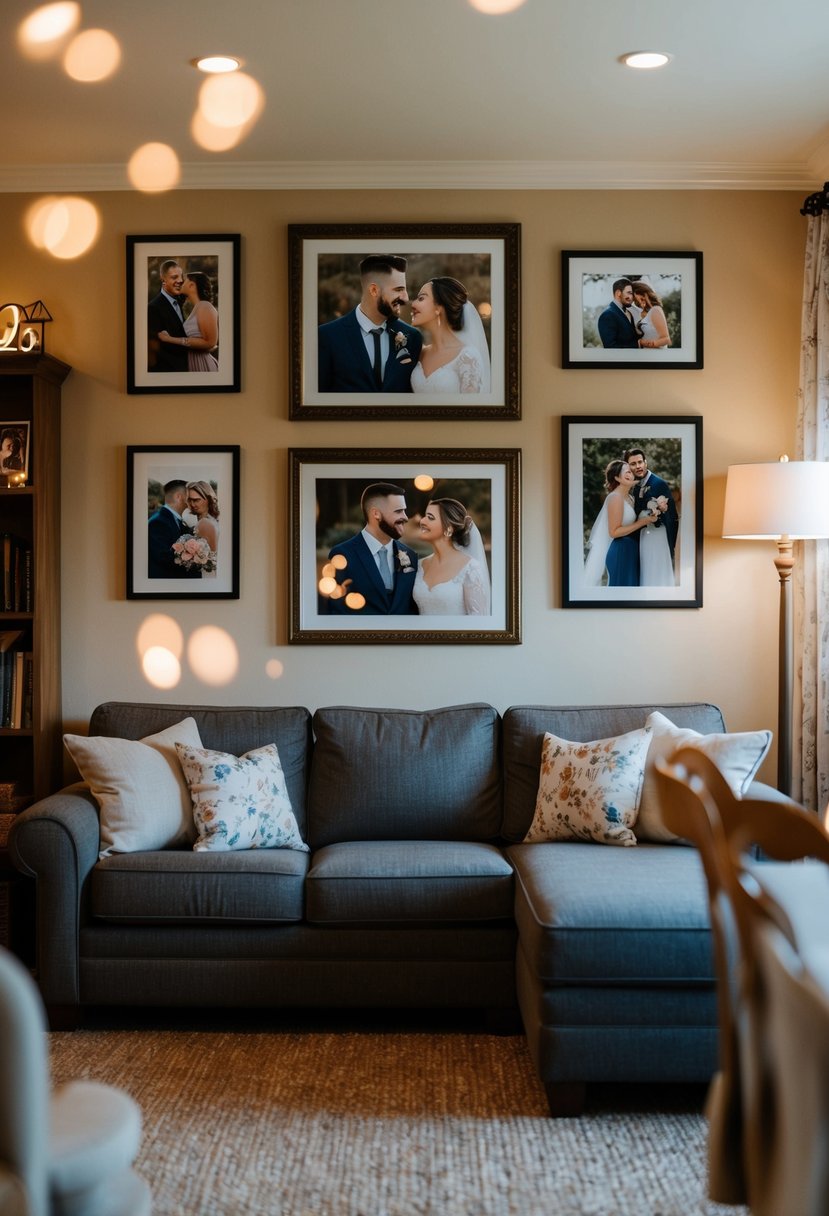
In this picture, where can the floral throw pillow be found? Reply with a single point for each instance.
(590, 791)
(239, 802)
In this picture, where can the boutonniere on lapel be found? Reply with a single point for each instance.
(401, 350)
(404, 561)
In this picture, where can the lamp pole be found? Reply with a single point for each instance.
(784, 563)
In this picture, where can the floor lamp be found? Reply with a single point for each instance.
(783, 501)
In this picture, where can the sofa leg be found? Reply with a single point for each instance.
(566, 1099)
(64, 1017)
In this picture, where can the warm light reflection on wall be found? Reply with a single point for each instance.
(161, 668)
(213, 655)
(231, 101)
(160, 630)
(65, 227)
(275, 669)
(42, 33)
(91, 56)
(153, 168)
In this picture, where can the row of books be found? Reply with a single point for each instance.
(16, 682)
(17, 574)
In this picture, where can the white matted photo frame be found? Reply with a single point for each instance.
(183, 522)
(631, 512)
(183, 314)
(332, 369)
(625, 309)
(337, 591)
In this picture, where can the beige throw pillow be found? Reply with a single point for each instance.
(139, 786)
(738, 757)
(590, 791)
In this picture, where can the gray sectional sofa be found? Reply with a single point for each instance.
(416, 892)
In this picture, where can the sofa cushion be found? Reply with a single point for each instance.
(612, 917)
(388, 774)
(408, 881)
(590, 791)
(239, 802)
(524, 727)
(142, 796)
(737, 756)
(182, 887)
(235, 728)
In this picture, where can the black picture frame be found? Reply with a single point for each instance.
(324, 285)
(587, 278)
(325, 486)
(216, 256)
(588, 444)
(149, 469)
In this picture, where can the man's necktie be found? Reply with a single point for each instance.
(385, 568)
(378, 358)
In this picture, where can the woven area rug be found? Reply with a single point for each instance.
(257, 1123)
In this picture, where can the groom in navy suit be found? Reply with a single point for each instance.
(164, 313)
(164, 527)
(379, 567)
(370, 350)
(617, 326)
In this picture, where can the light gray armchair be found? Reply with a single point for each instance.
(68, 1153)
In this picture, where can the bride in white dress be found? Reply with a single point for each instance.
(455, 355)
(653, 325)
(451, 582)
(204, 504)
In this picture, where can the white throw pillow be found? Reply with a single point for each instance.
(737, 756)
(590, 791)
(139, 787)
(240, 802)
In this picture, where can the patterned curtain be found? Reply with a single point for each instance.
(810, 771)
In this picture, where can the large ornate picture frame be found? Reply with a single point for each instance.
(171, 553)
(655, 322)
(182, 359)
(330, 359)
(336, 595)
(653, 566)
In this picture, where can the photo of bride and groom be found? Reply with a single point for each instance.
(418, 552)
(182, 529)
(374, 337)
(182, 318)
(633, 537)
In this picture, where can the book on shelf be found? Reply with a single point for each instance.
(17, 574)
(16, 682)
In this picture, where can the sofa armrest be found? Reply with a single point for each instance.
(56, 842)
(768, 793)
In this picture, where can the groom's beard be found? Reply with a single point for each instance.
(390, 530)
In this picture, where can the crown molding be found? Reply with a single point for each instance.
(433, 175)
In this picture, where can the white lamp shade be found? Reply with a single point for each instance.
(780, 498)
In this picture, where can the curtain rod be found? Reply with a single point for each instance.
(816, 203)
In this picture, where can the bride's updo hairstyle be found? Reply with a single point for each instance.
(204, 287)
(613, 473)
(453, 515)
(206, 490)
(451, 296)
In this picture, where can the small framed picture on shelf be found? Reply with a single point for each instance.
(631, 512)
(183, 523)
(624, 309)
(14, 453)
(365, 526)
(404, 321)
(183, 314)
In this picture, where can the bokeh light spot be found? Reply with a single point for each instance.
(91, 56)
(275, 669)
(213, 655)
(232, 100)
(153, 168)
(326, 585)
(65, 227)
(339, 561)
(355, 600)
(424, 482)
(215, 139)
(161, 668)
(42, 32)
(160, 630)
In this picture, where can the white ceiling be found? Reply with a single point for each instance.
(370, 93)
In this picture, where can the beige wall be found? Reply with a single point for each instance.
(725, 652)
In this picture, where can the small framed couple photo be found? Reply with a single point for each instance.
(183, 326)
(404, 321)
(622, 309)
(405, 546)
(14, 453)
(631, 512)
(182, 523)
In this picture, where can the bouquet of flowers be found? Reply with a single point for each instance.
(194, 553)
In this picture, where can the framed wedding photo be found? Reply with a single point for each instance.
(183, 326)
(624, 309)
(14, 453)
(182, 523)
(404, 321)
(631, 512)
(365, 525)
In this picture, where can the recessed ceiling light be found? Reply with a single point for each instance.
(646, 60)
(218, 63)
